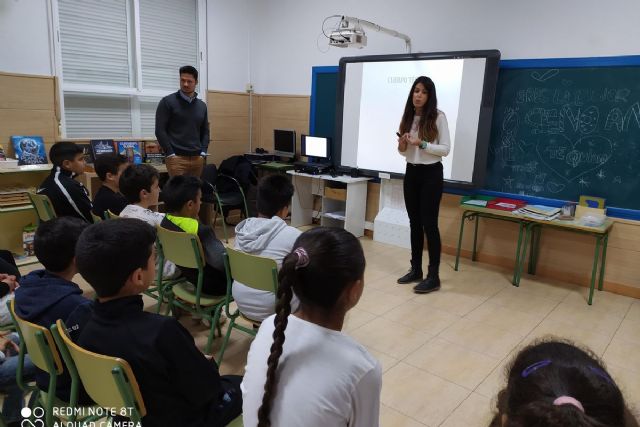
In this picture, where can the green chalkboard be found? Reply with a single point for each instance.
(562, 132)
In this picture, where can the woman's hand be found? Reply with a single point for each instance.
(403, 143)
(414, 141)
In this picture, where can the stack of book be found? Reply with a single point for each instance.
(541, 212)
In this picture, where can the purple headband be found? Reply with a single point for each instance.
(535, 366)
(303, 257)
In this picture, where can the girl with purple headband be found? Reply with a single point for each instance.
(314, 376)
(554, 383)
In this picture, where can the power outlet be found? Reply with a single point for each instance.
(248, 88)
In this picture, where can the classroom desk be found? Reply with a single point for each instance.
(471, 212)
(601, 234)
(532, 229)
(273, 167)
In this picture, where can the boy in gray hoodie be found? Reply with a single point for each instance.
(268, 236)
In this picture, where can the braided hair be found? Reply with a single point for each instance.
(324, 262)
(554, 383)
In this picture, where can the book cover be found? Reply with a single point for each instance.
(101, 146)
(131, 150)
(29, 150)
(153, 153)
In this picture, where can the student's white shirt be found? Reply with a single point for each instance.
(150, 217)
(325, 378)
(435, 150)
(154, 219)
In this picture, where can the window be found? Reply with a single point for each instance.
(117, 58)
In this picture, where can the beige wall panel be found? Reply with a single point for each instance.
(27, 93)
(26, 122)
(228, 104)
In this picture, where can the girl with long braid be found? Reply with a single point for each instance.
(314, 375)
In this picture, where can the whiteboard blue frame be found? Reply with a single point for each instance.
(314, 82)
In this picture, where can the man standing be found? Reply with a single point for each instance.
(182, 127)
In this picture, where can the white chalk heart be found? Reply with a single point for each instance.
(570, 160)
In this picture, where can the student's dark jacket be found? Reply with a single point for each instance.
(107, 199)
(180, 387)
(43, 298)
(182, 128)
(68, 196)
(214, 273)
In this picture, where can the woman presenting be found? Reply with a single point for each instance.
(423, 141)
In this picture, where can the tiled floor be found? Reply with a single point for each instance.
(444, 354)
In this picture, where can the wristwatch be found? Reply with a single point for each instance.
(423, 145)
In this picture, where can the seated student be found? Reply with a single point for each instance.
(68, 196)
(179, 385)
(140, 186)
(109, 167)
(554, 383)
(268, 236)
(182, 196)
(314, 376)
(44, 296)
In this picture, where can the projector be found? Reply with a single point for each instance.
(348, 37)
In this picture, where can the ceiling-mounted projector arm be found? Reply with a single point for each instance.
(345, 24)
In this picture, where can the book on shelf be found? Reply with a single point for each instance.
(29, 150)
(101, 146)
(153, 153)
(86, 150)
(132, 150)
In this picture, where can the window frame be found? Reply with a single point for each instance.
(135, 92)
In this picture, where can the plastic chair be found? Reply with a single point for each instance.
(257, 272)
(40, 345)
(162, 287)
(110, 215)
(225, 193)
(96, 218)
(42, 204)
(184, 249)
(109, 381)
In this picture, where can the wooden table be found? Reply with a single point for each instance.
(532, 229)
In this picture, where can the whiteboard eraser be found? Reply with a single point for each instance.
(384, 175)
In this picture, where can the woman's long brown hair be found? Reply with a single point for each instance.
(427, 128)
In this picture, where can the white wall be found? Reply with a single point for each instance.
(284, 33)
(24, 37)
(228, 44)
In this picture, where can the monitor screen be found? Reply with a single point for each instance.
(284, 142)
(315, 146)
(372, 98)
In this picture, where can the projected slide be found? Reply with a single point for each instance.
(374, 97)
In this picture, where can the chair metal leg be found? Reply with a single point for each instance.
(225, 340)
(212, 330)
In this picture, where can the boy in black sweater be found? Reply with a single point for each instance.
(182, 196)
(180, 387)
(68, 196)
(109, 167)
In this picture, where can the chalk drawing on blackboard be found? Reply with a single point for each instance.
(543, 77)
(508, 183)
(601, 174)
(555, 187)
(583, 183)
(572, 160)
(617, 180)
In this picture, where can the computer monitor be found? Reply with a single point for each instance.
(284, 142)
(316, 146)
